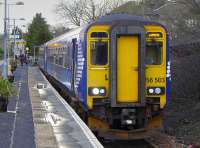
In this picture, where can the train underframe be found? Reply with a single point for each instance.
(125, 122)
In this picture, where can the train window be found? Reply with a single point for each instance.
(68, 55)
(154, 53)
(99, 53)
(99, 35)
(51, 59)
(56, 60)
(60, 62)
(154, 35)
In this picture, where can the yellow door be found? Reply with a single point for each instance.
(127, 69)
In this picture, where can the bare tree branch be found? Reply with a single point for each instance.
(85, 11)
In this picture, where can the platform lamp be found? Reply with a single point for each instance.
(6, 5)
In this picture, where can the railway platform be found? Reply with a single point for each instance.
(39, 117)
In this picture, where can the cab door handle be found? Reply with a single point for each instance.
(135, 68)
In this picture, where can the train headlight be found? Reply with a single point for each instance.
(97, 91)
(151, 90)
(129, 122)
(155, 90)
(102, 91)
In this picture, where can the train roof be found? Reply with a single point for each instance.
(108, 19)
(73, 32)
(120, 17)
(123, 17)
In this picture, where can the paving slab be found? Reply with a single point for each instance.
(23, 136)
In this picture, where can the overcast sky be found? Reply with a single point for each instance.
(31, 7)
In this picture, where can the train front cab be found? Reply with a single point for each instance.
(126, 70)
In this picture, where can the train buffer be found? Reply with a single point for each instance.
(41, 118)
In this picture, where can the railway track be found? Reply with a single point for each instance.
(157, 140)
(127, 144)
(162, 140)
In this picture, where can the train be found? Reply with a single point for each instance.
(115, 72)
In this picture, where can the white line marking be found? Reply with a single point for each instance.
(11, 111)
(14, 124)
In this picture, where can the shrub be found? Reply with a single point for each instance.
(6, 89)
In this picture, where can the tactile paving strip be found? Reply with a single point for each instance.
(44, 136)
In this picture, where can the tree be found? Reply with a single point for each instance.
(1, 46)
(38, 32)
(194, 5)
(1, 40)
(180, 16)
(1, 53)
(77, 12)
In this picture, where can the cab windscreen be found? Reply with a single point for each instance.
(154, 53)
(99, 53)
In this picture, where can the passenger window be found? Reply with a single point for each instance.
(154, 53)
(60, 61)
(51, 59)
(56, 60)
(67, 55)
(99, 35)
(99, 53)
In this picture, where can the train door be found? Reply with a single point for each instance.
(127, 73)
(74, 51)
(127, 69)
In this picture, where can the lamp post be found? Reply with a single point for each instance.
(6, 5)
(14, 32)
(12, 4)
(5, 71)
(13, 49)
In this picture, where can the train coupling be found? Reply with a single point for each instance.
(128, 117)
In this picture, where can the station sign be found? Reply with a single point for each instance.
(21, 42)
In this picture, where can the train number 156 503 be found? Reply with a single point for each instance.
(155, 80)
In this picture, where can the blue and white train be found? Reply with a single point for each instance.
(115, 71)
